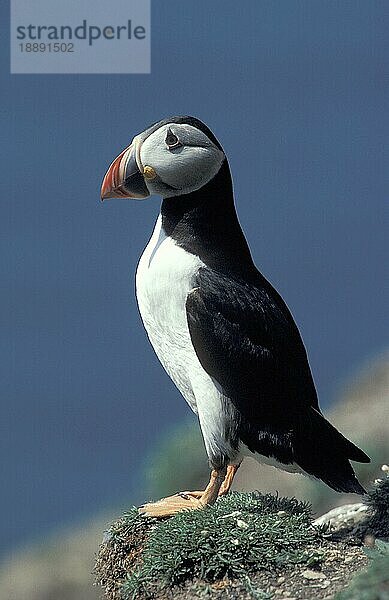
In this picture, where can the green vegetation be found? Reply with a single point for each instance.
(247, 544)
(237, 537)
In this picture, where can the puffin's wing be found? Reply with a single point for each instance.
(245, 338)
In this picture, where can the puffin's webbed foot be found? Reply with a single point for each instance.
(172, 504)
(186, 500)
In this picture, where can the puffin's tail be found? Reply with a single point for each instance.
(322, 451)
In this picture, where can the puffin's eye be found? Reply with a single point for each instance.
(171, 140)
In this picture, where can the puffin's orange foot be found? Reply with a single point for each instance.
(186, 500)
(172, 505)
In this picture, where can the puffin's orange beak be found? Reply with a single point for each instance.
(123, 178)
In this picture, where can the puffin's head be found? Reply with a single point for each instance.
(175, 156)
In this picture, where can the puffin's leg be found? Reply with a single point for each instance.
(229, 478)
(185, 500)
(225, 486)
(212, 490)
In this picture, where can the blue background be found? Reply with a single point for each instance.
(297, 93)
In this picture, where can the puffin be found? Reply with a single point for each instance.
(221, 331)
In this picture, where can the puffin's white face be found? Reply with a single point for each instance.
(183, 159)
(175, 159)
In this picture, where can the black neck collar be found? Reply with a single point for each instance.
(205, 223)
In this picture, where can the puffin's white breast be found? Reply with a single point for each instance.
(164, 277)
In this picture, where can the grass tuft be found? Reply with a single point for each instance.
(239, 536)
